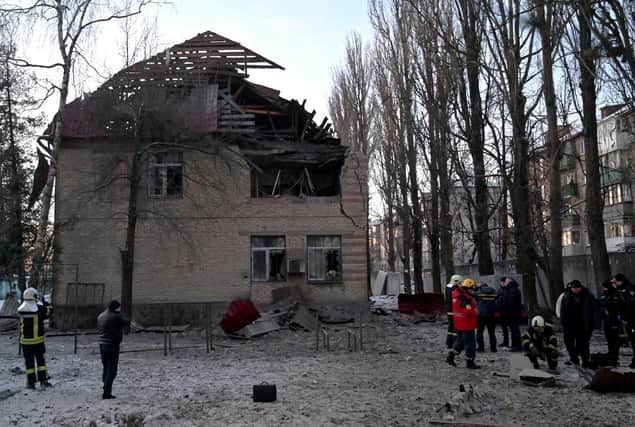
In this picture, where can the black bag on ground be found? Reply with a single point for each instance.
(265, 393)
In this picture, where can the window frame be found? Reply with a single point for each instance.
(268, 250)
(339, 278)
(162, 169)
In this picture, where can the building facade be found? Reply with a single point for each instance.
(252, 196)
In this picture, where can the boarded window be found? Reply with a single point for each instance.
(324, 254)
(165, 174)
(268, 259)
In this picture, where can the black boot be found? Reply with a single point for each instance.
(469, 364)
(450, 359)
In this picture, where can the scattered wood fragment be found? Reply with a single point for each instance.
(465, 424)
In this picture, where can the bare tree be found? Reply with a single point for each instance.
(351, 109)
(73, 20)
(546, 16)
(587, 58)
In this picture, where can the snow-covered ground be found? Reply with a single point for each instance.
(399, 379)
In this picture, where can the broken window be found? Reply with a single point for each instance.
(324, 258)
(268, 259)
(296, 181)
(165, 174)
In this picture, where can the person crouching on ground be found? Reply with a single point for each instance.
(110, 324)
(465, 322)
(577, 314)
(539, 342)
(32, 315)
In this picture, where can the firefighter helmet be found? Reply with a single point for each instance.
(469, 283)
(538, 322)
(30, 294)
(456, 279)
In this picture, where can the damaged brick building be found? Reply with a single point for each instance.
(212, 187)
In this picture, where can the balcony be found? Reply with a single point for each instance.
(610, 176)
(570, 190)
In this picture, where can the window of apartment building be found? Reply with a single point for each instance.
(570, 237)
(617, 193)
(614, 229)
(324, 254)
(268, 259)
(165, 174)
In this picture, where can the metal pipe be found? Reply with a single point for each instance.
(361, 328)
(170, 329)
(206, 317)
(317, 332)
(76, 317)
(165, 331)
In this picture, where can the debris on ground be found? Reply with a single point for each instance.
(606, 380)
(386, 303)
(9, 314)
(239, 314)
(537, 378)
(467, 401)
(428, 303)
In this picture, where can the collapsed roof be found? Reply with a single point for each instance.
(200, 87)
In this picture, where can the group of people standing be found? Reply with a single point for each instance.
(471, 310)
(33, 312)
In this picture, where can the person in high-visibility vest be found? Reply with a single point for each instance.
(32, 315)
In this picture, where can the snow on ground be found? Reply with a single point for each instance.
(400, 379)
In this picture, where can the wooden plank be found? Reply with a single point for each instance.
(237, 116)
(223, 123)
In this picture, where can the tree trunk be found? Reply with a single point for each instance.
(475, 140)
(17, 226)
(128, 253)
(554, 150)
(47, 193)
(593, 196)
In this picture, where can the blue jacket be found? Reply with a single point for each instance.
(486, 300)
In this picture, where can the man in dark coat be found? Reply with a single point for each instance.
(577, 314)
(611, 321)
(626, 292)
(486, 300)
(509, 304)
(110, 324)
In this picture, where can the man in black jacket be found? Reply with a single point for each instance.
(577, 315)
(110, 324)
(626, 293)
(610, 313)
(486, 300)
(509, 303)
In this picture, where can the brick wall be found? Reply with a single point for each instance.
(197, 248)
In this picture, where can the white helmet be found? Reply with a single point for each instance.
(30, 294)
(538, 321)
